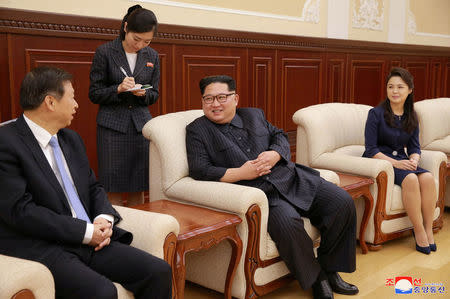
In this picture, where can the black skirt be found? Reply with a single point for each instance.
(122, 159)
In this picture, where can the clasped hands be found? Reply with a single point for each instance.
(262, 165)
(127, 83)
(102, 233)
(410, 164)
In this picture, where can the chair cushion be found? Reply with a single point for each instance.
(351, 150)
(313, 233)
(123, 293)
(434, 119)
(442, 145)
(344, 126)
(174, 161)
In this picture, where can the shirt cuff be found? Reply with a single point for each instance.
(107, 217)
(88, 233)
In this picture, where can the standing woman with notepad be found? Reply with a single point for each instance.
(119, 68)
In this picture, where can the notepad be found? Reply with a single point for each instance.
(140, 87)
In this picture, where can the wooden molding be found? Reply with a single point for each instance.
(169, 248)
(23, 294)
(34, 22)
(253, 260)
(439, 222)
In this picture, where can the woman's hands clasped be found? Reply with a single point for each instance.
(405, 164)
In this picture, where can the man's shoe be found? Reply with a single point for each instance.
(322, 290)
(338, 285)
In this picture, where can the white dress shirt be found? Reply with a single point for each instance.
(131, 57)
(43, 137)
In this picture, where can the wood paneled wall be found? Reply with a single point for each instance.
(277, 73)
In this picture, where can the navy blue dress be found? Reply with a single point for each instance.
(380, 137)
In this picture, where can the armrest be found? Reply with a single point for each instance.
(149, 229)
(355, 165)
(217, 195)
(431, 161)
(227, 197)
(19, 274)
(329, 175)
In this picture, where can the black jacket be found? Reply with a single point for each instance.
(210, 152)
(116, 109)
(35, 216)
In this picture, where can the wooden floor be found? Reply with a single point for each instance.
(396, 258)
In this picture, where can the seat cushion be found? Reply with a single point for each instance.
(442, 145)
(122, 293)
(434, 120)
(313, 233)
(350, 150)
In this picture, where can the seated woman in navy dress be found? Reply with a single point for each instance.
(390, 128)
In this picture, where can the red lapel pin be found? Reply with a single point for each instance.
(149, 64)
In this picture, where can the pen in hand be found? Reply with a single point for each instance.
(123, 71)
(127, 83)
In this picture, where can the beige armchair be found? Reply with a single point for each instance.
(331, 136)
(153, 232)
(261, 270)
(434, 120)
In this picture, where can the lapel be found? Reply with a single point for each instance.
(119, 57)
(71, 160)
(141, 60)
(30, 141)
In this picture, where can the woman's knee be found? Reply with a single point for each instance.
(410, 182)
(426, 179)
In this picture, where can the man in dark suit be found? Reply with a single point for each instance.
(53, 210)
(241, 146)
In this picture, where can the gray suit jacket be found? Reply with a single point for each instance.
(211, 150)
(117, 109)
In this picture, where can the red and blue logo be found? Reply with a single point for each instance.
(403, 285)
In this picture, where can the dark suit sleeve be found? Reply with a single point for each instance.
(371, 133)
(200, 164)
(152, 94)
(98, 199)
(100, 89)
(413, 145)
(278, 141)
(19, 211)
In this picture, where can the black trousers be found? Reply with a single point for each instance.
(333, 213)
(81, 272)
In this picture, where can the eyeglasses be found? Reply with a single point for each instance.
(221, 98)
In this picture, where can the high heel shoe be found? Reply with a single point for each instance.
(424, 249)
(433, 247)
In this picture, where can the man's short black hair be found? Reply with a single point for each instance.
(40, 82)
(217, 79)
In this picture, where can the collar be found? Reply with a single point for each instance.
(235, 122)
(41, 134)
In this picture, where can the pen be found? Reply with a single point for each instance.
(123, 71)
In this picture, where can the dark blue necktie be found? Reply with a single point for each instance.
(70, 189)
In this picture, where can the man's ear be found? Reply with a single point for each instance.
(236, 98)
(49, 102)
